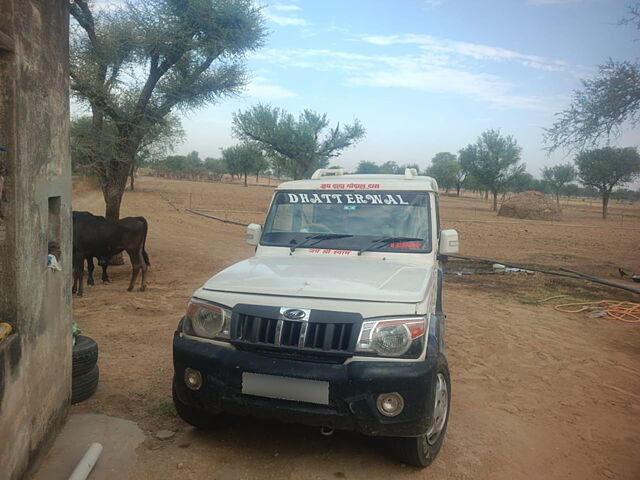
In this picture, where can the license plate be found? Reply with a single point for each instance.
(285, 388)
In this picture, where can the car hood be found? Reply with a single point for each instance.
(321, 277)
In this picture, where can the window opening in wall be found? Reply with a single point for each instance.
(53, 233)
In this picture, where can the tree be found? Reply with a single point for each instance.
(175, 163)
(261, 165)
(216, 167)
(161, 139)
(558, 177)
(192, 160)
(89, 156)
(297, 146)
(523, 181)
(367, 167)
(571, 190)
(389, 167)
(494, 161)
(242, 159)
(604, 168)
(444, 168)
(135, 64)
(466, 158)
(603, 104)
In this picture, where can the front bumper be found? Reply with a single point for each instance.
(353, 388)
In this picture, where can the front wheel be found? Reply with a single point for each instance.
(421, 451)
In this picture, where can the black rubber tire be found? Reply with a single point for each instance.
(197, 417)
(85, 355)
(416, 452)
(83, 386)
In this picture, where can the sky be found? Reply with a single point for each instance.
(425, 76)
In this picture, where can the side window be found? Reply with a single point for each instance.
(291, 218)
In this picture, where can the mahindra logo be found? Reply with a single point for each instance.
(298, 314)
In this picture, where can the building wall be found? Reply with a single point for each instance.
(35, 208)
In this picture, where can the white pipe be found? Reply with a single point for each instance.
(86, 463)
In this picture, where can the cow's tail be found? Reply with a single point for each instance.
(144, 241)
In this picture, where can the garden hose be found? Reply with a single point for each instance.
(623, 311)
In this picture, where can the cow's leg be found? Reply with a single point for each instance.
(74, 269)
(135, 266)
(90, 268)
(143, 267)
(104, 263)
(78, 270)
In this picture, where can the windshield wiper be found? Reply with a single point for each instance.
(318, 237)
(387, 240)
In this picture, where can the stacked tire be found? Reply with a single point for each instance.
(85, 370)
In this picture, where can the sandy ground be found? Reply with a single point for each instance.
(536, 393)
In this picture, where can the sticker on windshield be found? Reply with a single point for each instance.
(405, 198)
(406, 245)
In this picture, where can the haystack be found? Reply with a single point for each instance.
(530, 205)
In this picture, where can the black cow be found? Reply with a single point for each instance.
(95, 236)
(81, 218)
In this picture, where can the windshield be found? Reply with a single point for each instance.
(356, 218)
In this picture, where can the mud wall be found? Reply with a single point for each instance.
(35, 208)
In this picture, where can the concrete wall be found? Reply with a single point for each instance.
(35, 208)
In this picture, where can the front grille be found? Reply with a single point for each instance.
(329, 336)
(312, 337)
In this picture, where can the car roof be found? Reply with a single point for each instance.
(336, 179)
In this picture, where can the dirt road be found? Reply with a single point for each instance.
(536, 393)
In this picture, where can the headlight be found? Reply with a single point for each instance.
(207, 320)
(391, 338)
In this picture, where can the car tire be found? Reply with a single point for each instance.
(421, 451)
(85, 355)
(83, 386)
(196, 416)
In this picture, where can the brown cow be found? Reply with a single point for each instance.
(95, 236)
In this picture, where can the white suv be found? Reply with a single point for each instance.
(335, 322)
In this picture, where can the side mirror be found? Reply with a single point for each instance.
(448, 242)
(253, 234)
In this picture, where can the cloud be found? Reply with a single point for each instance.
(286, 21)
(284, 8)
(482, 87)
(260, 88)
(469, 50)
(426, 72)
(552, 2)
(288, 16)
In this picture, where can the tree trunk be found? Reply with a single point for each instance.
(113, 198)
(558, 199)
(132, 174)
(258, 176)
(299, 175)
(245, 178)
(458, 190)
(495, 201)
(605, 203)
(117, 173)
